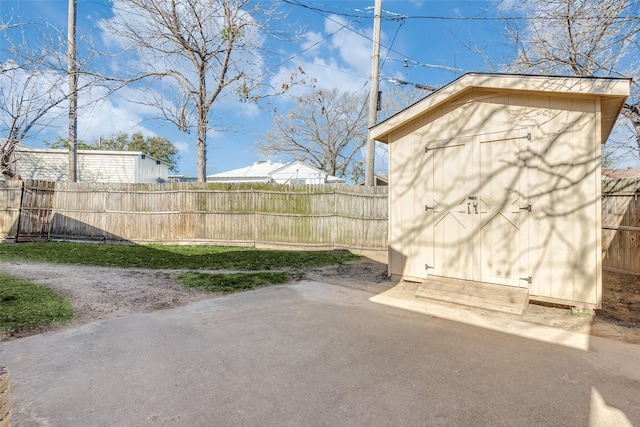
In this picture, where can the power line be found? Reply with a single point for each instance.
(325, 38)
(391, 16)
(405, 83)
(389, 48)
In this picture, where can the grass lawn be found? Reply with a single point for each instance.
(24, 304)
(229, 283)
(171, 256)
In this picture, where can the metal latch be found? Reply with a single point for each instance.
(427, 207)
(474, 199)
(526, 208)
(427, 266)
(526, 279)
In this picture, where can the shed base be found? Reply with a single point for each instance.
(507, 299)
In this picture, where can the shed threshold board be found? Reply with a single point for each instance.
(507, 299)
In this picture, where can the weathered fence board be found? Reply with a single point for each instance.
(621, 225)
(324, 217)
(10, 201)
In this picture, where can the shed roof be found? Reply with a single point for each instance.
(614, 92)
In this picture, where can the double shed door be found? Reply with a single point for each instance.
(479, 207)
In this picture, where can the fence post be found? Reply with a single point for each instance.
(22, 184)
(5, 398)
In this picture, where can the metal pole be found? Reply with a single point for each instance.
(73, 93)
(373, 93)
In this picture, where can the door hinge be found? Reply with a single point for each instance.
(427, 207)
(526, 208)
(526, 279)
(427, 266)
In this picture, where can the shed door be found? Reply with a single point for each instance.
(450, 225)
(480, 194)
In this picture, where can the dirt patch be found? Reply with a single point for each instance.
(99, 293)
(621, 302)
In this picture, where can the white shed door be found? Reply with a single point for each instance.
(478, 208)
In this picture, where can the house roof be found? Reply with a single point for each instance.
(612, 91)
(378, 181)
(264, 171)
(298, 164)
(621, 173)
(258, 172)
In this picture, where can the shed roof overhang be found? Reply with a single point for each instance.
(613, 93)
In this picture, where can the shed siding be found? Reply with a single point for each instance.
(403, 228)
(562, 156)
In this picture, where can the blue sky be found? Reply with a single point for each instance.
(423, 42)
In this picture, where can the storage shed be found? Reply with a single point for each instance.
(495, 179)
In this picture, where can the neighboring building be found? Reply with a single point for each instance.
(496, 179)
(621, 173)
(279, 173)
(93, 166)
(182, 178)
(378, 181)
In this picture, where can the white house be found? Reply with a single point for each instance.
(93, 165)
(278, 173)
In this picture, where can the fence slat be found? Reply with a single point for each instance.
(621, 225)
(324, 216)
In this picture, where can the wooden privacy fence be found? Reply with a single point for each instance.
(621, 225)
(323, 217)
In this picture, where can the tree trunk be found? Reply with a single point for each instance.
(201, 151)
(6, 160)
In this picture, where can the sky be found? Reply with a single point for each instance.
(423, 42)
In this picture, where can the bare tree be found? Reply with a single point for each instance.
(197, 51)
(581, 38)
(326, 129)
(32, 89)
(578, 37)
(398, 95)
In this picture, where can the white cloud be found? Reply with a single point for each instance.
(311, 41)
(509, 5)
(182, 147)
(248, 110)
(354, 48)
(343, 61)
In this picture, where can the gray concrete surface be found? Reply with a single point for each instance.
(313, 354)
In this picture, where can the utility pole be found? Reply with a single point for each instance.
(373, 93)
(72, 71)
